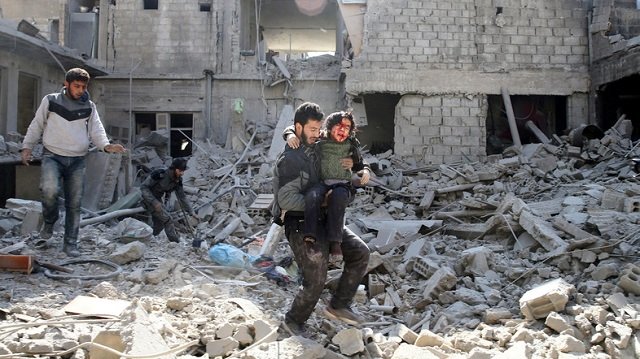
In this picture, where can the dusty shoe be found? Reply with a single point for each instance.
(71, 249)
(47, 231)
(344, 314)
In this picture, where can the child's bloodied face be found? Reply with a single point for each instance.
(342, 130)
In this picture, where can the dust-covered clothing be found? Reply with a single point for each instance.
(161, 182)
(66, 126)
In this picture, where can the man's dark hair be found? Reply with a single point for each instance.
(77, 74)
(179, 163)
(307, 111)
(336, 118)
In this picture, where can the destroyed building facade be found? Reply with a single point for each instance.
(425, 78)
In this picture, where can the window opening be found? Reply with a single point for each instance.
(28, 100)
(150, 4)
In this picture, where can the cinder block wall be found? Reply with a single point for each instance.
(471, 35)
(177, 38)
(441, 53)
(441, 129)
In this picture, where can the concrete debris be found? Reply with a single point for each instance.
(550, 229)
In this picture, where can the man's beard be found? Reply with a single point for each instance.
(305, 139)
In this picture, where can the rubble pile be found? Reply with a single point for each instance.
(530, 254)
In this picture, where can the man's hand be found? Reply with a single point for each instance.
(26, 156)
(364, 176)
(293, 141)
(347, 163)
(115, 148)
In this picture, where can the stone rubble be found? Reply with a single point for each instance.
(530, 254)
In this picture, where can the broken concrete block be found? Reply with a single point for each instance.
(128, 253)
(493, 316)
(425, 266)
(466, 341)
(161, 272)
(349, 341)
(243, 335)
(427, 199)
(225, 330)
(567, 344)
(522, 335)
(548, 297)
(221, 347)
(442, 280)
(427, 338)
(469, 296)
(557, 322)
(142, 338)
(616, 302)
(612, 200)
(630, 279)
(130, 230)
(520, 350)
(31, 222)
(524, 241)
(19, 207)
(476, 260)
(408, 351)
(376, 286)
(34, 346)
(108, 338)
(542, 232)
(178, 303)
(414, 249)
(263, 329)
(401, 331)
(620, 334)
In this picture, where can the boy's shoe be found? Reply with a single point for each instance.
(345, 314)
(47, 231)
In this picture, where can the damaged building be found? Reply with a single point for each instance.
(432, 74)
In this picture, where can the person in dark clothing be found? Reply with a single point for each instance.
(295, 172)
(163, 181)
(337, 141)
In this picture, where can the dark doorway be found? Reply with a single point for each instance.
(617, 98)
(181, 134)
(548, 113)
(378, 134)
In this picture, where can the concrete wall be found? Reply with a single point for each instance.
(11, 65)
(38, 13)
(440, 129)
(188, 95)
(177, 38)
(456, 52)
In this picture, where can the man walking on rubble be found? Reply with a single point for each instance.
(296, 171)
(66, 121)
(162, 181)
